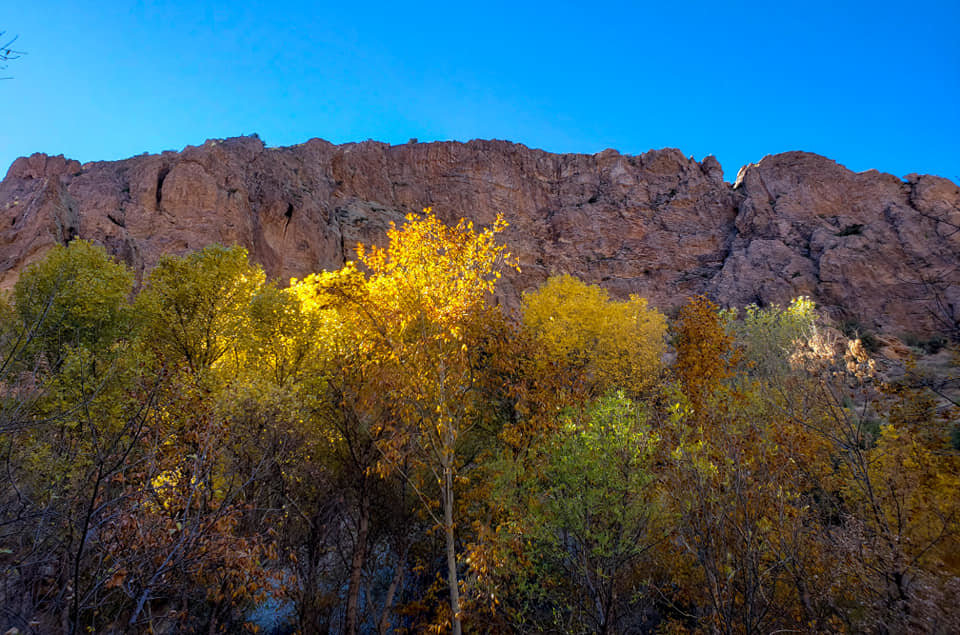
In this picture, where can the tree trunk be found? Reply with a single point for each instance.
(451, 548)
(356, 566)
(384, 625)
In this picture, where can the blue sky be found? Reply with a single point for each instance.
(869, 84)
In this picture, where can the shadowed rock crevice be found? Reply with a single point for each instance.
(161, 177)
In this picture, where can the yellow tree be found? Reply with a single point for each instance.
(352, 409)
(424, 313)
(581, 345)
(595, 341)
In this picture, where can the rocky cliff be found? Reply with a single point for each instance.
(870, 248)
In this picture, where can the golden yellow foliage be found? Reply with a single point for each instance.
(597, 342)
(438, 271)
(421, 323)
(705, 351)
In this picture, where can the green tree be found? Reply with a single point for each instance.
(568, 551)
(193, 308)
(768, 336)
(77, 296)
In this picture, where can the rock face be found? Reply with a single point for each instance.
(870, 248)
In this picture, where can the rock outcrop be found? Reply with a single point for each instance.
(870, 248)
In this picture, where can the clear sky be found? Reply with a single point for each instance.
(869, 84)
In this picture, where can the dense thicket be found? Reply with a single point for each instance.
(379, 449)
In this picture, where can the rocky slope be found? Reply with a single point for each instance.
(870, 248)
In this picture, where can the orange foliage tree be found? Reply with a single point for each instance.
(743, 541)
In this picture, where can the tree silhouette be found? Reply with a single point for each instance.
(7, 52)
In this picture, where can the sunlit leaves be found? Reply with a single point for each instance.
(441, 271)
(768, 479)
(603, 343)
(768, 336)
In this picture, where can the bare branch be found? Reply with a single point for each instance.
(7, 52)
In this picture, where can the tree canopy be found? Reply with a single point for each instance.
(381, 448)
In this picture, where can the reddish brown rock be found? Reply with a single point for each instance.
(869, 247)
(39, 165)
(877, 252)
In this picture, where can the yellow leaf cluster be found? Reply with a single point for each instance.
(606, 343)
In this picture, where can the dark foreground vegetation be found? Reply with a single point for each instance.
(378, 449)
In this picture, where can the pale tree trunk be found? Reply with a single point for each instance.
(356, 566)
(451, 546)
